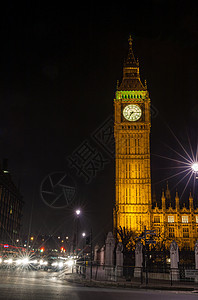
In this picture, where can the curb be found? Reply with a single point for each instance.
(130, 285)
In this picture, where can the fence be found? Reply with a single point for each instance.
(184, 274)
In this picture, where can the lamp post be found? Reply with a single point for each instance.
(83, 236)
(83, 245)
(78, 212)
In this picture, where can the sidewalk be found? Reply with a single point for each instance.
(135, 284)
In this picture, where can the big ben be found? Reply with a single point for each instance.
(132, 149)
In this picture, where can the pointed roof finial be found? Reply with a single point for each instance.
(130, 61)
(131, 76)
(177, 206)
(190, 196)
(168, 195)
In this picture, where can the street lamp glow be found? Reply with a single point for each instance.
(83, 234)
(78, 212)
(195, 167)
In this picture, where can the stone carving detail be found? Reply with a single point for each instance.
(109, 250)
(138, 255)
(119, 255)
(174, 255)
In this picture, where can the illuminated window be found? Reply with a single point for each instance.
(185, 232)
(196, 219)
(171, 232)
(184, 219)
(156, 219)
(170, 219)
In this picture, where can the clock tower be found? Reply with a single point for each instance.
(132, 149)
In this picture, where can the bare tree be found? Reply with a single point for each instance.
(127, 237)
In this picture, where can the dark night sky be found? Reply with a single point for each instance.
(59, 67)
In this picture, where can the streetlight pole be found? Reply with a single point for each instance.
(78, 212)
(83, 244)
(146, 243)
(83, 251)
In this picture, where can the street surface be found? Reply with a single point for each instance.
(28, 285)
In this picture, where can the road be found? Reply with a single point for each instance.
(28, 285)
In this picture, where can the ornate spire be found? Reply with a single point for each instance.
(130, 61)
(168, 195)
(131, 77)
(191, 201)
(177, 201)
(163, 199)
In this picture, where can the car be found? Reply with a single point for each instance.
(54, 263)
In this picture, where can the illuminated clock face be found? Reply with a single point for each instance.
(132, 112)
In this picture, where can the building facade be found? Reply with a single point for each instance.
(11, 204)
(173, 221)
(133, 204)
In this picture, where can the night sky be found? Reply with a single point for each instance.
(58, 74)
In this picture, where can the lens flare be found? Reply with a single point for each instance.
(195, 166)
(184, 164)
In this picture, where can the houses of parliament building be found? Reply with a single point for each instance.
(134, 208)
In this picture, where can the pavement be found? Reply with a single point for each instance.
(153, 284)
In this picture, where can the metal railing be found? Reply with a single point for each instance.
(131, 274)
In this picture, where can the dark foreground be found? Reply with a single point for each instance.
(46, 285)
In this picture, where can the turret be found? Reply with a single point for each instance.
(163, 199)
(191, 207)
(168, 195)
(177, 201)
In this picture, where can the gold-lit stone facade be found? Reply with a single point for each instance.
(132, 150)
(133, 204)
(172, 220)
